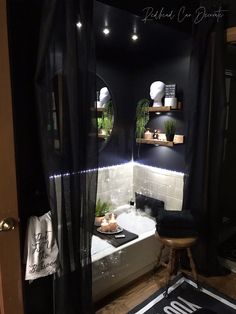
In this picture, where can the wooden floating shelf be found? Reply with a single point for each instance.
(178, 139)
(102, 136)
(163, 108)
(231, 35)
(98, 109)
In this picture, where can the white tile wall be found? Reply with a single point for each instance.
(162, 184)
(117, 184)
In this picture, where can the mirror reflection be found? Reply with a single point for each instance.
(105, 108)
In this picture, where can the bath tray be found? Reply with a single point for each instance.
(119, 229)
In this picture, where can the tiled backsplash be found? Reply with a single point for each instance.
(118, 184)
(115, 184)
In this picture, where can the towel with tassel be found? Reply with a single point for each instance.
(41, 250)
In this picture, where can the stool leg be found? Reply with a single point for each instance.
(169, 269)
(160, 254)
(176, 262)
(158, 259)
(192, 265)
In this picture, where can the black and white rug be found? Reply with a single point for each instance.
(185, 298)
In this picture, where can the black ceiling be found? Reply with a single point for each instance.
(137, 7)
(155, 39)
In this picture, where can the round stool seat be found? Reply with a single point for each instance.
(177, 243)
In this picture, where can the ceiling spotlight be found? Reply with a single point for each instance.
(79, 24)
(106, 31)
(134, 37)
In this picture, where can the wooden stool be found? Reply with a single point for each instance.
(176, 245)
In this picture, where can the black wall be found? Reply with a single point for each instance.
(129, 68)
(169, 70)
(119, 146)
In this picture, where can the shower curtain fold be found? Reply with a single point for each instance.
(205, 119)
(65, 92)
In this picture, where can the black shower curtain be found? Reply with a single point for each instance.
(205, 117)
(65, 91)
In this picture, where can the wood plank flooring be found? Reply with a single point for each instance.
(138, 291)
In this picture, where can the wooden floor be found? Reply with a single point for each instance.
(140, 290)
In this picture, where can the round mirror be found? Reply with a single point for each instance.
(105, 112)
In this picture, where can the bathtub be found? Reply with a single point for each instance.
(113, 267)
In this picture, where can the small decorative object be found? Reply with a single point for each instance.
(118, 230)
(101, 209)
(157, 92)
(105, 226)
(142, 117)
(170, 102)
(104, 96)
(109, 225)
(155, 135)
(170, 90)
(170, 128)
(112, 223)
(148, 135)
(170, 96)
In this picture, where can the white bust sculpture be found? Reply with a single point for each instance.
(157, 91)
(104, 96)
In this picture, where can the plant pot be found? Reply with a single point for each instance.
(98, 221)
(102, 132)
(169, 137)
(148, 135)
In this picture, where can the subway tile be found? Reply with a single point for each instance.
(173, 203)
(119, 184)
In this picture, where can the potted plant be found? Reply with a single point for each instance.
(108, 118)
(100, 126)
(170, 128)
(101, 209)
(142, 117)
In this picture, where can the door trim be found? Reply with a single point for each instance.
(11, 300)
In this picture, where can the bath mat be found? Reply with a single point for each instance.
(185, 298)
(129, 236)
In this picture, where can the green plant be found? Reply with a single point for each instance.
(101, 208)
(107, 124)
(106, 121)
(142, 116)
(170, 127)
(99, 122)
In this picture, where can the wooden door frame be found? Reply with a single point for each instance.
(11, 300)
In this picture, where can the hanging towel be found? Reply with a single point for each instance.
(41, 250)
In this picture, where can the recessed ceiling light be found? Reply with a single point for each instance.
(106, 31)
(134, 37)
(79, 24)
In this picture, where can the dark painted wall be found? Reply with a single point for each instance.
(169, 70)
(230, 6)
(161, 54)
(119, 146)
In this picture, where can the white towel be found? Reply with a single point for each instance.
(41, 248)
